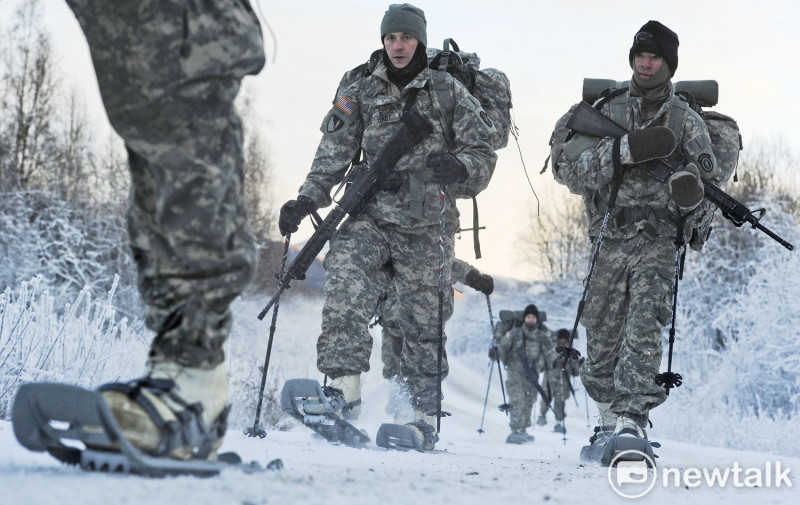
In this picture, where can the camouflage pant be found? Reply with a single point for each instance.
(628, 303)
(355, 280)
(558, 391)
(391, 351)
(168, 73)
(521, 395)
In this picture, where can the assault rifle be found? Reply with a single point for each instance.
(363, 183)
(589, 121)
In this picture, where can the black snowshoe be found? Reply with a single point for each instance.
(404, 437)
(628, 445)
(593, 452)
(46, 415)
(307, 401)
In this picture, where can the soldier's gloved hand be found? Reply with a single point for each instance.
(479, 282)
(686, 188)
(493, 353)
(293, 212)
(447, 169)
(649, 144)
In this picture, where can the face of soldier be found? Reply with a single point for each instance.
(646, 64)
(400, 47)
(530, 321)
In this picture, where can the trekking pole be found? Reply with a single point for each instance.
(586, 401)
(257, 430)
(670, 379)
(567, 351)
(486, 400)
(505, 407)
(440, 350)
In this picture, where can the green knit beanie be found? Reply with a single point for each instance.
(405, 18)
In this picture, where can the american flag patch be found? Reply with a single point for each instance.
(345, 105)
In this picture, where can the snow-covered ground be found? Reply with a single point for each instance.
(468, 468)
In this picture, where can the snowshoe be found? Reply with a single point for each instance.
(597, 444)
(305, 400)
(397, 436)
(629, 443)
(519, 437)
(627, 448)
(67, 421)
(418, 435)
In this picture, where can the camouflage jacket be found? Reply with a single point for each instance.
(643, 204)
(524, 350)
(366, 113)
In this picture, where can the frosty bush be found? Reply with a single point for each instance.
(81, 343)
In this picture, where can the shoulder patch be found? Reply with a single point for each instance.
(706, 163)
(345, 105)
(334, 123)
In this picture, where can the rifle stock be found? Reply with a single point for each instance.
(589, 121)
(364, 184)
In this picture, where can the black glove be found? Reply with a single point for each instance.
(686, 188)
(651, 143)
(493, 353)
(479, 282)
(293, 212)
(447, 169)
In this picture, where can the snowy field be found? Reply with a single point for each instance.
(697, 432)
(467, 468)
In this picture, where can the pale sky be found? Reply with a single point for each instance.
(750, 48)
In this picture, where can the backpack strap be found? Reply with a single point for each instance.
(677, 119)
(443, 96)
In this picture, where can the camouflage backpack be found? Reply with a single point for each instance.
(726, 139)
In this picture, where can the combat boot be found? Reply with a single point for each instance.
(424, 430)
(173, 411)
(350, 387)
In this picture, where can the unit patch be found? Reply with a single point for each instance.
(706, 162)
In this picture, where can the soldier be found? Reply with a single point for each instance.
(387, 314)
(558, 388)
(168, 77)
(524, 350)
(403, 223)
(392, 336)
(629, 297)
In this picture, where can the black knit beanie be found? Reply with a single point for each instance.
(531, 309)
(656, 38)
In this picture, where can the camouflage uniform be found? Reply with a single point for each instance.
(388, 315)
(629, 299)
(525, 353)
(558, 390)
(401, 227)
(168, 73)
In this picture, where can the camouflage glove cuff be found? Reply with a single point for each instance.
(479, 282)
(686, 188)
(647, 144)
(293, 212)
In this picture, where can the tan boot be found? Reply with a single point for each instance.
(350, 385)
(147, 410)
(425, 431)
(627, 427)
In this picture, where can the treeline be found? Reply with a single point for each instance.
(64, 179)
